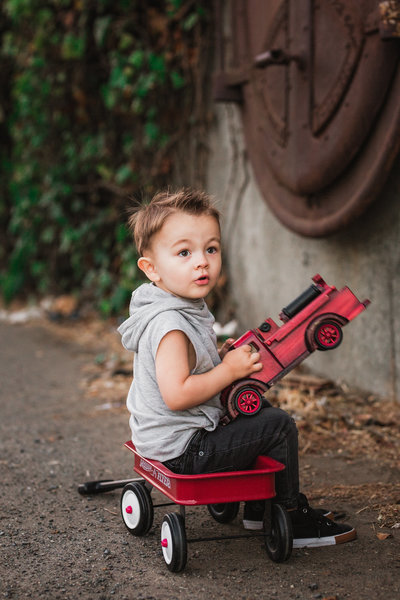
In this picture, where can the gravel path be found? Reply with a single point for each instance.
(55, 543)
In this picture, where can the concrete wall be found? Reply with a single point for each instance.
(268, 265)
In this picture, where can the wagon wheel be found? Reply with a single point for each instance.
(328, 335)
(137, 508)
(173, 542)
(279, 541)
(225, 512)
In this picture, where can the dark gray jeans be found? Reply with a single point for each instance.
(234, 447)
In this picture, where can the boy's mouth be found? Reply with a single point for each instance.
(203, 280)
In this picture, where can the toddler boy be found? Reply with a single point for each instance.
(179, 373)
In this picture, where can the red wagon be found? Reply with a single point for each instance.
(221, 492)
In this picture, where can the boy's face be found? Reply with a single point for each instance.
(185, 255)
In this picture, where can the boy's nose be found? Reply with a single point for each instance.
(201, 261)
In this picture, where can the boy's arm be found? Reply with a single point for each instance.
(179, 389)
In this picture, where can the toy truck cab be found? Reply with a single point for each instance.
(313, 321)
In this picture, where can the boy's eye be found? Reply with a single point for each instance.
(184, 253)
(212, 250)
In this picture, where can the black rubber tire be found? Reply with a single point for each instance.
(224, 513)
(332, 328)
(137, 508)
(279, 542)
(173, 542)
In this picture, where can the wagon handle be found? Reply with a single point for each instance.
(104, 485)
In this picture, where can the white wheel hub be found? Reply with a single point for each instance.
(166, 542)
(130, 509)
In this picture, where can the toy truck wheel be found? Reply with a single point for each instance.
(279, 541)
(173, 542)
(328, 335)
(248, 401)
(137, 508)
(224, 513)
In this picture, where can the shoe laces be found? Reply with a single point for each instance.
(319, 520)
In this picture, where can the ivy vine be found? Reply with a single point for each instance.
(100, 100)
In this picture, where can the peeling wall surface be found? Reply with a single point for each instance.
(268, 265)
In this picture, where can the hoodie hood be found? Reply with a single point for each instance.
(148, 301)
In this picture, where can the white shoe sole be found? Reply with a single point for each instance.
(316, 542)
(253, 525)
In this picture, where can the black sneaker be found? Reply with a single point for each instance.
(253, 515)
(312, 530)
(323, 512)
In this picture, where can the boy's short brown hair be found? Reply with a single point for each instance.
(146, 220)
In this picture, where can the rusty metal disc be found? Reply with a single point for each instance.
(320, 108)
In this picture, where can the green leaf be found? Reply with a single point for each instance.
(105, 307)
(110, 96)
(38, 268)
(121, 233)
(17, 9)
(152, 131)
(126, 41)
(123, 174)
(100, 29)
(190, 21)
(73, 47)
(157, 63)
(136, 59)
(118, 77)
(178, 81)
(48, 234)
(105, 172)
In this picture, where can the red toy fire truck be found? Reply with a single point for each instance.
(313, 321)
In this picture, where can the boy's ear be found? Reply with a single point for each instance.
(146, 265)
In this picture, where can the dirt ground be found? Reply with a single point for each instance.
(63, 422)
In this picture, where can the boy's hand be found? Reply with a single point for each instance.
(225, 347)
(242, 362)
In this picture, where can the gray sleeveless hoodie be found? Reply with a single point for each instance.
(157, 431)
